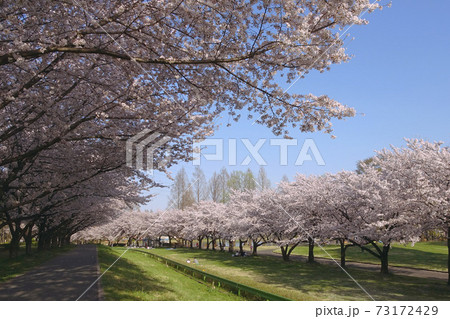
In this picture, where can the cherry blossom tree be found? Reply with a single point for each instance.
(420, 176)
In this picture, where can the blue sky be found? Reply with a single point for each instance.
(398, 78)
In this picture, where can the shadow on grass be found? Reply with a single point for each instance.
(302, 281)
(429, 255)
(126, 281)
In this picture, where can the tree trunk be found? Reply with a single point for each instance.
(448, 254)
(67, 240)
(200, 243)
(16, 235)
(47, 242)
(231, 246)
(241, 247)
(28, 241)
(384, 260)
(343, 249)
(213, 242)
(254, 248)
(207, 243)
(14, 245)
(40, 242)
(310, 250)
(54, 242)
(284, 252)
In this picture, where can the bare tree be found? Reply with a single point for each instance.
(214, 188)
(262, 179)
(182, 195)
(199, 186)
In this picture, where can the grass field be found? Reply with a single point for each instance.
(302, 281)
(136, 276)
(424, 255)
(13, 267)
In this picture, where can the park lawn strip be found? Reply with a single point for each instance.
(302, 281)
(423, 255)
(13, 267)
(137, 276)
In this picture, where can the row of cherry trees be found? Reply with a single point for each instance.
(78, 79)
(396, 197)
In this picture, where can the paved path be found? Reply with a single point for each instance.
(404, 271)
(65, 277)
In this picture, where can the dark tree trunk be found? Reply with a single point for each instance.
(384, 260)
(47, 241)
(66, 240)
(213, 242)
(310, 250)
(191, 244)
(221, 244)
(254, 248)
(284, 252)
(28, 240)
(14, 245)
(241, 247)
(200, 243)
(231, 246)
(207, 243)
(41, 241)
(54, 242)
(343, 249)
(448, 254)
(16, 235)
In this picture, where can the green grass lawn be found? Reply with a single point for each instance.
(424, 255)
(302, 281)
(136, 276)
(13, 267)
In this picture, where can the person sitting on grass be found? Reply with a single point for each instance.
(188, 261)
(196, 261)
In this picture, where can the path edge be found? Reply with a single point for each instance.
(101, 294)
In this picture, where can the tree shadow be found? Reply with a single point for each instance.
(316, 281)
(64, 277)
(127, 281)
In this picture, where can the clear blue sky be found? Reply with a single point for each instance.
(399, 77)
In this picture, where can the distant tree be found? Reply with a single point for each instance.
(182, 195)
(262, 179)
(364, 163)
(249, 182)
(214, 189)
(223, 178)
(199, 186)
(236, 181)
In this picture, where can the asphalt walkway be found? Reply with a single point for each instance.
(65, 277)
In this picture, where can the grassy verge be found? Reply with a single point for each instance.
(13, 267)
(423, 255)
(136, 276)
(301, 281)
